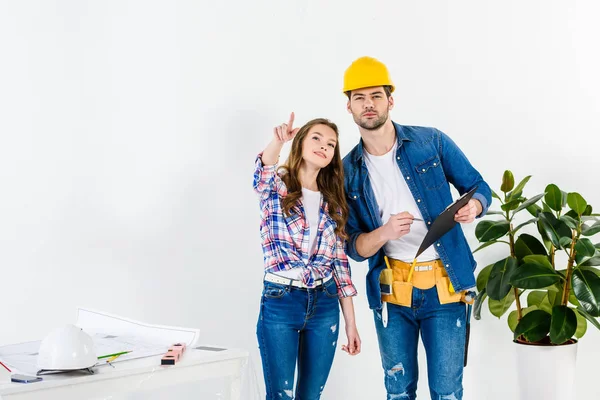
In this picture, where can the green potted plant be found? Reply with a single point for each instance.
(548, 277)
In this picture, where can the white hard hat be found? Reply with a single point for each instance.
(67, 348)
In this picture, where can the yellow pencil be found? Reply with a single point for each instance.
(412, 269)
(113, 358)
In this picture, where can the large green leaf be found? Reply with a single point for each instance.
(508, 181)
(555, 298)
(565, 242)
(538, 259)
(590, 262)
(549, 246)
(581, 326)
(554, 197)
(511, 205)
(498, 284)
(491, 230)
(572, 214)
(499, 307)
(590, 230)
(555, 293)
(486, 244)
(587, 218)
(513, 317)
(534, 326)
(573, 299)
(524, 224)
(545, 207)
(534, 276)
(563, 324)
(554, 228)
(586, 286)
(481, 296)
(494, 194)
(585, 247)
(535, 297)
(557, 287)
(570, 221)
(587, 316)
(529, 202)
(592, 269)
(543, 300)
(516, 196)
(527, 245)
(547, 302)
(576, 202)
(520, 186)
(534, 210)
(483, 276)
(542, 232)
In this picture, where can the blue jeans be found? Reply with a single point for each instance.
(442, 328)
(297, 326)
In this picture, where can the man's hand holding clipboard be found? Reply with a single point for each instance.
(463, 210)
(468, 213)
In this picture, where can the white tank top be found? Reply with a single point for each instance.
(312, 208)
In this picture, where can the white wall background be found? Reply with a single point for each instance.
(128, 131)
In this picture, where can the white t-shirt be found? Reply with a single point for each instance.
(393, 196)
(312, 208)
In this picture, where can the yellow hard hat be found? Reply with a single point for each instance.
(366, 72)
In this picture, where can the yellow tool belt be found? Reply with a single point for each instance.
(401, 277)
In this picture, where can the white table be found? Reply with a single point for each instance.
(136, 375)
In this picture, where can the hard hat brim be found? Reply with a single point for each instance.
(351, 88)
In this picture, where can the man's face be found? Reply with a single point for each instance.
(370, 107)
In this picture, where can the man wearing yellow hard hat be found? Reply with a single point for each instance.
(397, 181)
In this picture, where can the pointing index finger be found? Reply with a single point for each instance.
(291, 122)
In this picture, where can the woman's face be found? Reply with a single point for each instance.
(318, 147)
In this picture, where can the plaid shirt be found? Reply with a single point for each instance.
(285, 239)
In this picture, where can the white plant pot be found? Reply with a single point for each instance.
(546, 372)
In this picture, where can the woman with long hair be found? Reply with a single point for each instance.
(307, 275)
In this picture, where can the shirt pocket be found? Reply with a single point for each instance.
(353, 198)
(431, 173)
(295, 223)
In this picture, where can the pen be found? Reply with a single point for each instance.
(414, 219)
(8, 369)
(115, 354)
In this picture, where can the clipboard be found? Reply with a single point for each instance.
(445, 221)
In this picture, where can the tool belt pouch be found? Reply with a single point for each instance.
(444, 294)
(386, 280)
(401, 292)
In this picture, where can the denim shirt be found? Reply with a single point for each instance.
(429, 161)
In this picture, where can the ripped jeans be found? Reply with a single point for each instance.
(300, 326)
(442, 329)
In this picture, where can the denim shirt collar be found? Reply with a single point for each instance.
(401, 136)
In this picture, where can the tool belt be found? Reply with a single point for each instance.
(398, 279)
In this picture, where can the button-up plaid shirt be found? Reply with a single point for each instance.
(285, 239)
